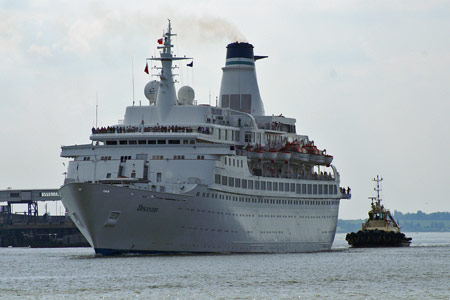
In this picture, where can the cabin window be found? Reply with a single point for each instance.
(303, 188)
(269, 186)
(310, 189)
(237, 182)
(111, 142)
(335, 189)
(158, 177)
(123, 142)
(263, 185)
(132, 142)
(256, 185)
(299, 189)
(219, 133)
(234, 162)
(286, 187)
(325, 189)
(225, 161)
(230, 181)
(224, 180)
(315, 189)
(151, 142)
(292, 187)
(161, 142)
(174, 142)
(250, 184)
(142, 142)
(244, 183)
(248, 137)
(281, 186)
(275, 186)
(192, 142)
(320, 189)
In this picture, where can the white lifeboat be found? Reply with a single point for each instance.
(284, 155)
(255, 154)
(301, 156)
(328, 159)
(271, 154)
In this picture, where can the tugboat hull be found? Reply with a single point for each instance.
(377, 238)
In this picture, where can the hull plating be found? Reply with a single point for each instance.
(124, 220)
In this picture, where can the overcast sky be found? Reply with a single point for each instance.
(367, 80)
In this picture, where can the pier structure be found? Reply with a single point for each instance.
(29, 229)
(28, 197)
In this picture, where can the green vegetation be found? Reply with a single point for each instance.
(409, 222)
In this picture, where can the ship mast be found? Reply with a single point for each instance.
(166, 98)
(378, 179)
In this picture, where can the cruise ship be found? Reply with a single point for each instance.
(177, 177)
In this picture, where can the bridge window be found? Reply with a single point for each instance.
(237, 182)
(275, 186)
(244, 183)
(250, 184)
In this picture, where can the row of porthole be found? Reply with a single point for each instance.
(259, 216)
(268, 201)
(209, 229)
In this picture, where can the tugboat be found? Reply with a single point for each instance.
(380, 229)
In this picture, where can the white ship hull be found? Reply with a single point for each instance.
(154, 222)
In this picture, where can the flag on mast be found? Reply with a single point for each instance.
(191, 64)
(160, 41)
(146, 68)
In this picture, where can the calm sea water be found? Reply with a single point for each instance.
(421, 271)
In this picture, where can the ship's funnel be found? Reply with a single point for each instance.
(239, 88)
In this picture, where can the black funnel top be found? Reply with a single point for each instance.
(244, 50)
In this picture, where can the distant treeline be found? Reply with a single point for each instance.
(409, 222)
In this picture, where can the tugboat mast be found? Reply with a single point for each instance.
(378, 179)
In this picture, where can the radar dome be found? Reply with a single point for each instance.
(186, 95)
(151, 91)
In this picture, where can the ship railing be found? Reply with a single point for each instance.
(153, 129)
(346, 193)
(321, 177)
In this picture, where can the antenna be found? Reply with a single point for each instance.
(378, 189)
(209, 97)
(132, 76)
(96, 109)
